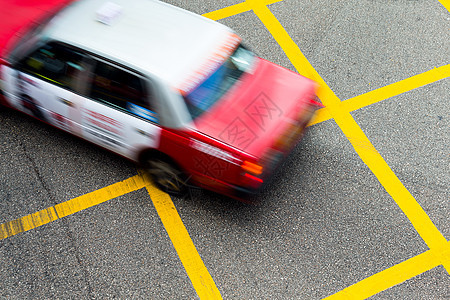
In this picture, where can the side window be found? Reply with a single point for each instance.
(55, 63)
(122, 89)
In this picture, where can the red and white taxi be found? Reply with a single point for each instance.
(156, 84)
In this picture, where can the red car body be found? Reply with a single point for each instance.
(18, 17)
(233, 147)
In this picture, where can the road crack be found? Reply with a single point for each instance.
(68, 232)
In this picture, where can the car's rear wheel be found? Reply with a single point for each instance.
(166, 176)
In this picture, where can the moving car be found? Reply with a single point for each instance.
(159, 85)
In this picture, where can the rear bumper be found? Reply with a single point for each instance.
(244, 193)
(272, 160)
(276, 157)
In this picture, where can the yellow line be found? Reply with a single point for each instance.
(320, 116)
(386, 92)
(191, 260)
(70, 207)
(196, 270)
(352, 104)
(99, 196)
(397, 88)
(359, 101)
(227, 11)
(446, 4)
(366, 151)
(394, 275)
(233, 10)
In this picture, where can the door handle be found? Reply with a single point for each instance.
(144, 133)
(66, 102)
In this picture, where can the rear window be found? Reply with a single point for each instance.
(207, 93)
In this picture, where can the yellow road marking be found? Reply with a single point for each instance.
(48, 215)
(397, 88)
(357, 102)
(195, 268)
(362, 145)
(233, 10)
(395, 275)
(386, 92)
(191, 260)
(446, 4)
(70, 207)
(227, 11)
(320, 116)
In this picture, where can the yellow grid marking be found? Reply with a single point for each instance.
(94, 198)
(191, 260)
(362, 145)
(446, 4)
(340, 111)
(70, 207)
(352, 131)
(196, 270)
(386, 92)
(233, 10)
(395, 275)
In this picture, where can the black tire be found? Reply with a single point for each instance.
(29, 104)
(166, 176)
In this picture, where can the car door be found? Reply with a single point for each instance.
(47, 84)
(119, 114)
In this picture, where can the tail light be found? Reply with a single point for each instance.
(250, 172)
(252, 168)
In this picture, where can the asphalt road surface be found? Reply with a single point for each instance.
(360, 209)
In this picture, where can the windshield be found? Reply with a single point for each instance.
(219, 82)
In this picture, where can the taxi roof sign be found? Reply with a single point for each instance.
(108, 13)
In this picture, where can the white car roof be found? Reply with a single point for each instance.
(150, 36)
